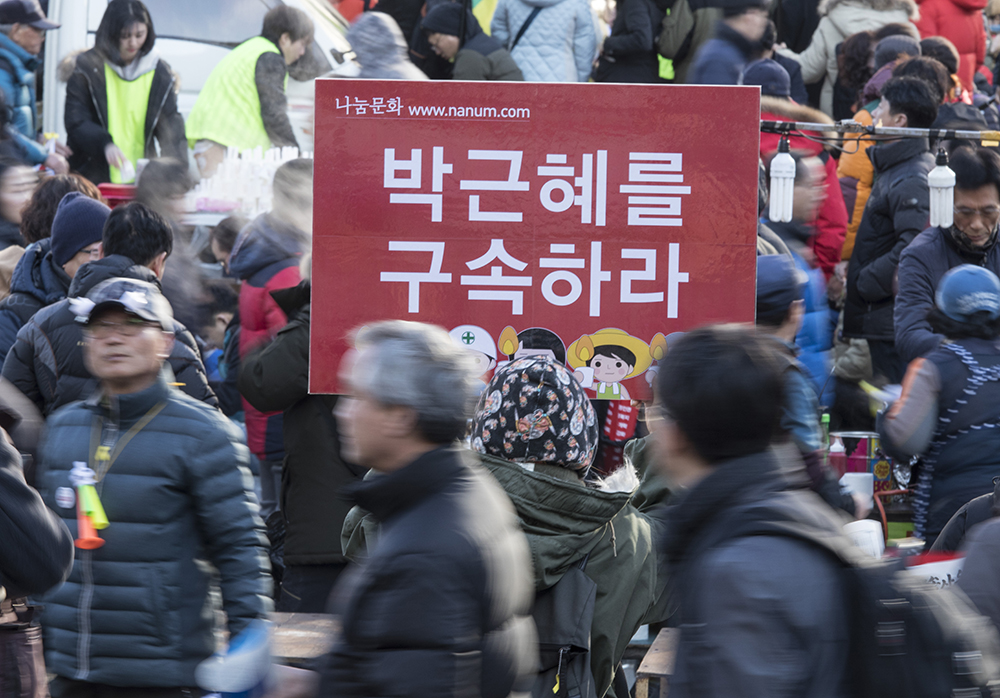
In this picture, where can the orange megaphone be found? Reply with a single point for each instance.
(87, 537)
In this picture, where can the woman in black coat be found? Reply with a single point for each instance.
(120, 97)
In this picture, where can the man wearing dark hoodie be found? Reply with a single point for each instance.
(721, 60)
(46, 363)
(266, 259)
(43, 275)
(479, 57)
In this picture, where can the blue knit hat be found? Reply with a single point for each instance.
(771, 76)
(79, 222)
(966, 290)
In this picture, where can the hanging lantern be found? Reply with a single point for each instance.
(941, 182)
(783, 183)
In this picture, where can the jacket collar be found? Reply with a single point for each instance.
(133, 405)
(887, 155)
(390, 494)
(729, 484)
(27, 60)
(972, 255)
(729, 35)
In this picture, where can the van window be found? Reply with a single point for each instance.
(221, 22)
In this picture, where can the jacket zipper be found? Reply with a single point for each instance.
(152, 128)
(93, 98)
(86, 597)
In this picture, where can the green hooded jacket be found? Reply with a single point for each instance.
(565, 521)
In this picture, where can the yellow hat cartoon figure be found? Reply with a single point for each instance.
(606, 358)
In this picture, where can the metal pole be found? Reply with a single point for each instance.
(855, 127)
(466, 8)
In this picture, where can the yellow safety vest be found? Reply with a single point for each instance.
(127, 105)
(227, 110)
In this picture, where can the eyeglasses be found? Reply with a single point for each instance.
(105, 328)
(989, 214)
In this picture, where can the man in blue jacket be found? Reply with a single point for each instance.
(721, 59)
(19, 59)
(135, 615)
(972, 239)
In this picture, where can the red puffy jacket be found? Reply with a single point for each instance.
(831, 219)
(961, 22)
(266, 258)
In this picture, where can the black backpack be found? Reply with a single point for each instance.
(907, 638)
(563, 614)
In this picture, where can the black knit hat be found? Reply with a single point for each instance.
(79, 222)
(732, 8)
(535, 411)
(446, 18)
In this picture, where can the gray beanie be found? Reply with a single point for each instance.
(892, 47)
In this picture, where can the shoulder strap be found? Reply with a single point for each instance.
(524, 27)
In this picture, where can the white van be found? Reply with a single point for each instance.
(193, 36)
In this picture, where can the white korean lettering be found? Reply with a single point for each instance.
(498, 252)
(648, 273)
(592, 185)
(654, 189)
(512, 183)
(563, 265)
(675, 277)
(414, 279)
(413, 178)
(597, 277)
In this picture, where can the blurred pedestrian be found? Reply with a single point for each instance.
(219, 345)
(766, 51)
(960, 379)
(48, 267)
(120, 97)
(222, 240)
(721, 60)
(896, 212)
(838, 20)
(17, 184)
(440, 606)
(758, 615)
(380, 48)
(961, 22)
(315, 474)
(170, 473)
(972, 239)
(37, 555)
(628, 54)
(557, 44)
(46, 363)
(243, 103)
(266, 258)
(567, 515)
(955, 533)
(20, 56)
(479, 56)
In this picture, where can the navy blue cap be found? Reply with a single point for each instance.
(779, 283)
(78, 223)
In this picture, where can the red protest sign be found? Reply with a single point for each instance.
(583, 221)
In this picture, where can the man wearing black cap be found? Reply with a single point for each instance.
(721, 60)
(170, 474)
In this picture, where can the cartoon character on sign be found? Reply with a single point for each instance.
(480, 346)
(605, 359)
(535, 341)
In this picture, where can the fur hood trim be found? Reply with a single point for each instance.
(791, 111)
(825, 6)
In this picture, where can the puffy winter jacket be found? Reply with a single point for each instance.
(439, 607)
(856, 177)
(897, 212)
(37, 282)
(87, 117)
(38, 551)
(314, 474)
(266, 258)
(133, 612)
(921, 266)
(838, 20)
(566, 521)
(721, 59)
(831, 219)
(961, 22)
(560, 44)
(46, 362)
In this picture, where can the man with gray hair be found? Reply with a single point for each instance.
(440, 606)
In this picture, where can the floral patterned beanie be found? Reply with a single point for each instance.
(534, 411)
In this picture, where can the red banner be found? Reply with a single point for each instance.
(588, 222)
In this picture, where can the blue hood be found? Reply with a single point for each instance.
(265, 241)
(38, 276)
(28, 60)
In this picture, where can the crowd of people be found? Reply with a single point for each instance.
(165, 473)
